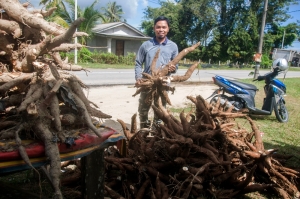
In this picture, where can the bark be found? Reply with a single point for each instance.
(67, 47)
(13, 8)
(44, 13)
(9, 80)
(11, 27)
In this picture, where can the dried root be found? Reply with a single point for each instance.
(209, 155)
(46, 103)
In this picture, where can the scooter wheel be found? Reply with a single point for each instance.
(281, 112)
(214, 100)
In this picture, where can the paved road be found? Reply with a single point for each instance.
(103, 77)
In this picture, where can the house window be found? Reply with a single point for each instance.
(120, 47)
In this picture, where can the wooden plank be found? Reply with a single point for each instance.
(92, 173)
(120, 47)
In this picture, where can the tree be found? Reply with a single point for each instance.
(51, 2)
(112, 12)
(65, 15)
(286, 34)
(177, 25)
(228, 30)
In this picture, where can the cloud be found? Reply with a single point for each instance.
(130, 7)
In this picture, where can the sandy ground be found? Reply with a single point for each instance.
(118, 102)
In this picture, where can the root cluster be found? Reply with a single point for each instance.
(157, 84)
(201, 154)
(37, 99)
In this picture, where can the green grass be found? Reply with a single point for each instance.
(105, 66)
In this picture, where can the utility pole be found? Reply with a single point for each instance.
(283, 39)
(261, 37)
(75, 52)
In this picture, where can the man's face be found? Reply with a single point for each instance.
(161, 29)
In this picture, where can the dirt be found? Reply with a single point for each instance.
(118, 102)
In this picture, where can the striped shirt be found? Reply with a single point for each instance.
(146, 53)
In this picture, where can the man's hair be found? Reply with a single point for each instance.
(162, 18)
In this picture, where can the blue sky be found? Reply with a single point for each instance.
(294, 11)
(134, 11)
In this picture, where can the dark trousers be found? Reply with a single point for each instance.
(144, 111)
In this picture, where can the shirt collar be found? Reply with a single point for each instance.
(163, 43)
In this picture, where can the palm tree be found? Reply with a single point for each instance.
(61, 15)
(50, 2)
(65, 15)
(113, 12)
(91, 17)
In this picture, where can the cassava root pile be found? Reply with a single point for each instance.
(203, 154)
(37, 100)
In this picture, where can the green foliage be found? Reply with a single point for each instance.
(86, 56)
(112, 12)
(106, 58)
(194, 55)
(65, 15)
(240, 47)
(286, 34)
(109, 58)
(265, 61)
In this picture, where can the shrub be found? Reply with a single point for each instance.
(195, 55)
(265, 61)
(109, 58)
(85, 55)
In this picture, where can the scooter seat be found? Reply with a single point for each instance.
(244, 85)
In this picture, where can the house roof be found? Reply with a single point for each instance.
(117, 30)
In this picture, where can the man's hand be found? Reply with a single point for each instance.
(172, 68)
(138, 82)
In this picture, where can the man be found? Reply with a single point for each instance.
(145, 55)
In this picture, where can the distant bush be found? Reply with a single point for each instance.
(86, 56)
(266, 62)
(105, 58)
(195, 55)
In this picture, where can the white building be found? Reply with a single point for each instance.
(118, 37)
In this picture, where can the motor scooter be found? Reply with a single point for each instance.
(242, 95)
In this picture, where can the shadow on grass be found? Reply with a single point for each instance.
(283, 149)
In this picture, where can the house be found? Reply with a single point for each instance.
(119, 38)
(283, 53)
(296, 60)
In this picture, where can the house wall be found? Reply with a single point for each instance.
(283, 53)
(130, 46)
(97, 42)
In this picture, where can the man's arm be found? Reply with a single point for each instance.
(139, 60)
(172, 68)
